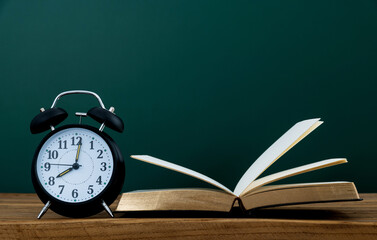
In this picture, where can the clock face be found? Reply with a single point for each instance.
(74, 165)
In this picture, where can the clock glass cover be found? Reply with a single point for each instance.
(74, 165)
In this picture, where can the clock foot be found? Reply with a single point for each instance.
(44, 209)
(107, 208)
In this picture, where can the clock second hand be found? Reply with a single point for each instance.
(62, 164)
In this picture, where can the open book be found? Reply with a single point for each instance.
(250, 192)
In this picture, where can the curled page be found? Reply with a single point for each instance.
(292, 172)
(177, 168)
(275, 151)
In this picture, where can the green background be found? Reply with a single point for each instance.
(205, 84)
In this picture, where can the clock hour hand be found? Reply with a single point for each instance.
(65, 172)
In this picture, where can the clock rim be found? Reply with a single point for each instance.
(93, 205)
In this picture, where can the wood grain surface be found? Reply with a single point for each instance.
(340, 220)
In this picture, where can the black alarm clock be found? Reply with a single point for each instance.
(77, 170)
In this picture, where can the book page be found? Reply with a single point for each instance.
(276, 150)
(184, 199)
(292, 172)
(294, 185)
(177, 168)
(278, 195)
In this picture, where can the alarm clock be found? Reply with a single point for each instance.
(77, 169)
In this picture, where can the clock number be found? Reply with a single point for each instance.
(99, 180)
(54, 154)
(75, 194)
(100, 153)
(62, 144)
(61, 190)
(47, 166)
(90, 189)
(103, 168)
(73, 141)
(51, 181)
(91, 145)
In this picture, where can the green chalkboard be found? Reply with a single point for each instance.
(205, 84)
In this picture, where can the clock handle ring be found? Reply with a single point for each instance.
(78, 92)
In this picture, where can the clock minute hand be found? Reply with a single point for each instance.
(65, 172)
(78, 152)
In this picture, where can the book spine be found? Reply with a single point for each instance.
(239, 207)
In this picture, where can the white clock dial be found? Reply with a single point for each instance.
(75, 165)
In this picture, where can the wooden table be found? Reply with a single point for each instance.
(342, 220)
